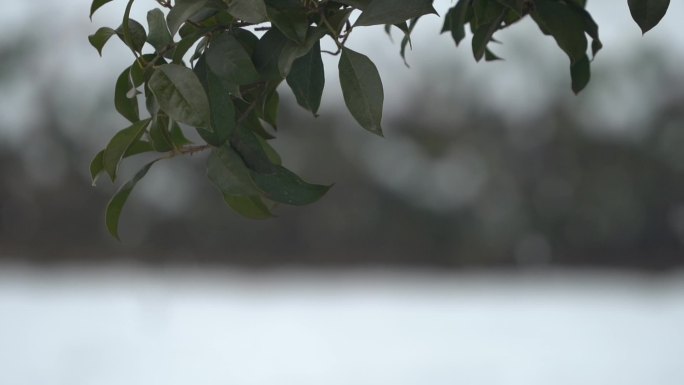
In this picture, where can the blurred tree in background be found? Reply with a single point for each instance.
(457, 183)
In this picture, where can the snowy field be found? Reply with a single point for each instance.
(367, 327)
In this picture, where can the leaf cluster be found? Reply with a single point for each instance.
(216, 66)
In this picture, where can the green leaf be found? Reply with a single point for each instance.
(159, 36)
(228, 59)
(251, 207)
(490, 56)
(95, 5)
(159, 133)
(228, 172)
(97, 164)
(307, 79)
(251, 11)
(120, 143)
(253, 151)
(100, 38)
(185, 44)
(138, 36)
(483, 35)
(267, 54)
(358, 4)
(455, 20)
(127, 107)
(116, 204)
(96, 167)
(283, 186)
(181, 12)
(270, 108)
(270, 152)
(292, 23)
(180, 94)
(362, 89)
(394, 11)
(517, 6)
(292, 51)
(580, 73)
(648, 13)
(220, 103)
(566, 26)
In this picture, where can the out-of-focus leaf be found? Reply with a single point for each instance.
(120, 144)
(251, 207)
(116, 204)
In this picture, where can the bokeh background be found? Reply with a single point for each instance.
(505, 231)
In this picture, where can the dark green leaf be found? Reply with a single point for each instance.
(362, 89)
(251, 11)
(127, 107)
(283, 186)
(358, 4)
(96, 4)
(455, 20)
(184, 45)
(270, 109)
(120, 144)
(220, 103)
(267, 54)
(490, 56)
(566, 26)
(159, 133)
(181, 95)
(97, 164)
(270, 152)
(100, 38)
(581, 73)
(228, 59)
(137, 35)
(483, 35)
(159, 36)
(292, 23)
(227, 171)
(115, 205)
(251, 207)
(181, 12)
(246, 142)
(96, 167)
(292, 51)
(307, 79)
(394, 11)
(648, 13)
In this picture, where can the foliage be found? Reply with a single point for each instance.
(227, 87)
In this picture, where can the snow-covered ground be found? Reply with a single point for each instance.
(135, 326)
